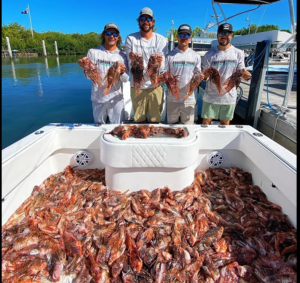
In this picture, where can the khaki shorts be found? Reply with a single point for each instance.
(186, 112)
(217, 111)
(150, 101)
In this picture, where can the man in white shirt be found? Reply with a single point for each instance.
(226, 59)
(109, 106)
(146, 42)
(184, 62)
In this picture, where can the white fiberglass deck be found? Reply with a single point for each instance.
(31, 160)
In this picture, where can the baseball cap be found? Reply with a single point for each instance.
(111, 25)
(146, 11)
(185, 28)
(225, 27)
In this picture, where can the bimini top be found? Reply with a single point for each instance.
(247, 2)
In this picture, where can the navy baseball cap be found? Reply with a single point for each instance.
(225, 27)
(185, 28)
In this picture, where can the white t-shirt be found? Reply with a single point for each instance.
(104, 59)
(156, 44)
(226, 62)
(184, 64)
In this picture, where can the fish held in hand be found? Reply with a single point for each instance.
(137, 71)
(193, 83)
(91, 70)
(214, 77)
(112, 76)
(172, 83)
(153, 69)
(235, 79)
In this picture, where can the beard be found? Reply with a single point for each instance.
(224, 43)
(145, 28)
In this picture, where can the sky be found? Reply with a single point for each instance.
(90, 16)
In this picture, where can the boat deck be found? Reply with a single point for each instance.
(285, 132)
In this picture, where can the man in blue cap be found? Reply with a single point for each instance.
(146, 42)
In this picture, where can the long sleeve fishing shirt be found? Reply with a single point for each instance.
(156, 44)
(104, 59)
(184, 64)
(226, 62)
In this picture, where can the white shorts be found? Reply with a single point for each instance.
(112, 109)
(186, 112)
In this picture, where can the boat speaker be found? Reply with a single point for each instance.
(215, 159)
(83, 158)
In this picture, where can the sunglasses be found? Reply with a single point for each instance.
(227, 33)
(184, 35)
(142, 19)
(109, 33)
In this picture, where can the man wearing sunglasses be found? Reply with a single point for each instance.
(146, 42)
(226, 59)
(110, 106)
(184, 62)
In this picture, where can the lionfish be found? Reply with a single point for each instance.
(112, 76)
(137, 71)
(91, 70)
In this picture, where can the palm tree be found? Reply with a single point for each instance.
(195, 33)
(155, 29)
(172, 31)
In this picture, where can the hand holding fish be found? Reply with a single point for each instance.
(90, 70)
(193, 83)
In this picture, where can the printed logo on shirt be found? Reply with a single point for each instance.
(224, 63)
(143, 47)
(183, 64)
(104, 62)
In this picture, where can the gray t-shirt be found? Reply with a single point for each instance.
(104, 59)
(156, 44)
(226, 62)
(184, 64)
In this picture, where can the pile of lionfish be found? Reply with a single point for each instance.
(94, 73)
(221, 229)
(144, 131)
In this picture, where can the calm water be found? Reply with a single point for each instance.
(39, 91)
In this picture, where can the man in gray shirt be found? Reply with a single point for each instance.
(226, 59)
(146, 42)
(109, 105)
(183, 62)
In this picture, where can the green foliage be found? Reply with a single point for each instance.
(21, 39)
(254, 28)
(286, 30)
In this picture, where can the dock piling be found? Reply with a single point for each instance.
(8, 47)
(44, 48)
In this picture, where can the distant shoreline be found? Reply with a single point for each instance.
(38, 54)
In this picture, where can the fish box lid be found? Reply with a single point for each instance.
(156, 151)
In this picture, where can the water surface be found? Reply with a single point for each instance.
(39, 91)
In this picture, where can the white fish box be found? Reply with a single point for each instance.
(31, 160)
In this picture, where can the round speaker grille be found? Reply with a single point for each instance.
(82, 158)
(215, 159)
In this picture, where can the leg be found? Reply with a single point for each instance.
(187, 113)
(99, 112)
(116, 112)
(155, 100)
(139, 104)
(226, 114)
(209, 112)
(206, 121)
(172, 112)
(224, 122)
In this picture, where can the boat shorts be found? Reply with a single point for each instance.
(186, 112)
(217, 111)
(150, 100)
